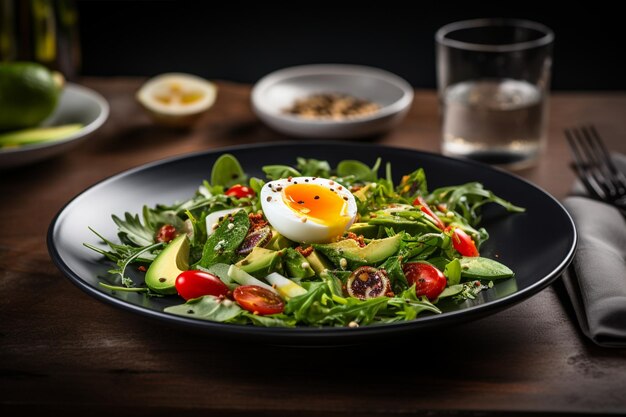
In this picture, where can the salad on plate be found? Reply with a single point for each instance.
(309, 245)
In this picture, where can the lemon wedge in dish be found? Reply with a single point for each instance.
(177, 99)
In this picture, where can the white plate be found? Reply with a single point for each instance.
(77, 104)
(279, 90)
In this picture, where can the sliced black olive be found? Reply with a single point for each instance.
(368, 282)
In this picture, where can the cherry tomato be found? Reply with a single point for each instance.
(428, 280)
(258, 300)
(194, 284)
(419, 201)
(166, 233)
(462, 242)
(240, 191)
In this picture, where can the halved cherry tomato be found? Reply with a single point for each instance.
(428, 280)
(462, 242)
(258, 300)
(166, 233)
(419, 201)
(240, 191)
(194, 284)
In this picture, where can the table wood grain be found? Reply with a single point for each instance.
(62, 351)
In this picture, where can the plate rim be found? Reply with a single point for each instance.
(307, 333)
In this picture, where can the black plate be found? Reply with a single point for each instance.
(537, 244)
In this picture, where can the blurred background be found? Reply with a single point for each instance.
(236, 43)
(242, 43)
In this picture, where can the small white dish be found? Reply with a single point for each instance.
(77, 104)
(279, 90)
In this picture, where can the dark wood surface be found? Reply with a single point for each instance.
(62, 351)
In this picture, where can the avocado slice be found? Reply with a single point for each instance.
(260, 262)
(296, 265)
(318, 262)
(369, 231)
(163, 271)
(278, 241)
(375, 251)
(38, 134)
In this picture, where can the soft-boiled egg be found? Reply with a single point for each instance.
(308, 209)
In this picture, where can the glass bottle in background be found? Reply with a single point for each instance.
(44, 31)
(493, 77)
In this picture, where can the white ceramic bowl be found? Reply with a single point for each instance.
(279, 90)
(77, 104)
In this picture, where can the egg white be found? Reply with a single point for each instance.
(296, 226)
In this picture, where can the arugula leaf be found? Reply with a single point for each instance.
(413, 184)
(157, 217)
(276, 172)
(124, 255)
(207, 197)
(132, 230)
(470, 291)
(467, 199)
(118, 251)
(426, 246)
(299, 306)
(355, 310)
(198, 234)
(393, 266)
(123, 263)
(123, 289)
(313, 168)
(333, 282)
(256, 184)
(408, 305)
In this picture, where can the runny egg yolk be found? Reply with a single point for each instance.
(318, 204)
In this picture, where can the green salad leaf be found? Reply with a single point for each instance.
(221, 246)
(227, 171)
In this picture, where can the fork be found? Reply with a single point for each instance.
(595, 168)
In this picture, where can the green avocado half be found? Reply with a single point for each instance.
(174, 259)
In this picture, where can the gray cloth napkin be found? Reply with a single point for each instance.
(596, 279)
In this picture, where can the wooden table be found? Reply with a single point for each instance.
(62, 351)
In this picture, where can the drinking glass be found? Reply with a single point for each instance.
(493, 79)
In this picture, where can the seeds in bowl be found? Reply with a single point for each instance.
(334, 106)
